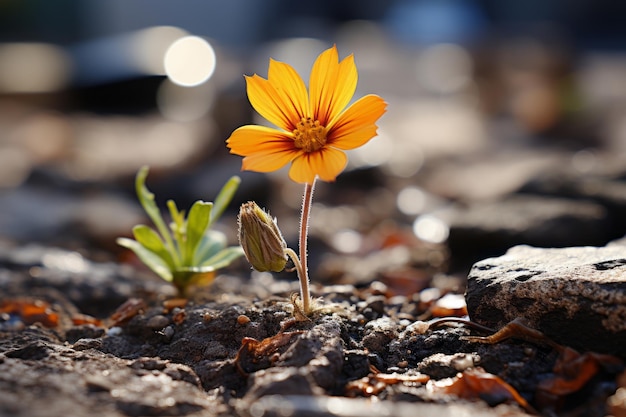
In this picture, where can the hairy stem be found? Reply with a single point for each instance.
(301, 276)
(307, 198)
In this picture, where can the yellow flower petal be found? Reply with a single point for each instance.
(268, 161)
(325, 129)
(326, 163)
(251, 139)
(332, 84)
(269, 103)
(357, 124)
(289, 84)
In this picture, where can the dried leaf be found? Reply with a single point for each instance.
(31, 311)
(81, 319)
(376, 382)
(364, 387)
(573, 370)
(179, 317)
(127, 311)
(255, 355)
(172, 303)
(476, 383)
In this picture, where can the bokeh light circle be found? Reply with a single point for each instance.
(190, 61)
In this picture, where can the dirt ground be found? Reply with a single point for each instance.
(111, 340)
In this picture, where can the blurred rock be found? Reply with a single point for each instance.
(47, 214)
(95, 288)
(488, 228)
(576, 296)
(607, 191)
(490, 173)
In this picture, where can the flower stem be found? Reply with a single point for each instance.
(302, 277)
(307, 198)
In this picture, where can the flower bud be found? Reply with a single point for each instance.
(260, 238)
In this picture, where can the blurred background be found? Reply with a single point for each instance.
(506, 123)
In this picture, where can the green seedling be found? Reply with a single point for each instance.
(187, 252)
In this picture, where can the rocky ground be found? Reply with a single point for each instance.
(80, 336)
(468, 262)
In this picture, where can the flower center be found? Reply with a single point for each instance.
(309, 135)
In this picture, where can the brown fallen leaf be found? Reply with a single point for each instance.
(172, 303)
(179, 317)
(30, 311)
(81, 319)
(254, 355)
(376, 382)
(572, 371)
(476, 383)
(127, 311)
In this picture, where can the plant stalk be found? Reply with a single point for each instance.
(305, 294)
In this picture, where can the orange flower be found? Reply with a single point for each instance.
(315, 125)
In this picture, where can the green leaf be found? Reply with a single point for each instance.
(151, 259)
(178, 217)
(224, 257)
(146, 198)
(224, 197)
(197, 223)
(185, 251)
(153, 242)
(177, 226)
(211, 243)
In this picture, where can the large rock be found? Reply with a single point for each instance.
(576, 295)
(485, 229)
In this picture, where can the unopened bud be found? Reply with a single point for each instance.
(261, 239)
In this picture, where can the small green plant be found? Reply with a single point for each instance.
(187, 252)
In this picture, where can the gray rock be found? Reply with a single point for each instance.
(95, 288)
(576, 296)
(488, 228)
(75, 382)
(283, 381)
(608, 192)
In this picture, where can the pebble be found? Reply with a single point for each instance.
(157, 322)
(84, 344)
(574, 295)
(114, 331)
(168, 332)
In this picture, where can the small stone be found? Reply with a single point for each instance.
(243, 319)
(168, 332)
(157, 322)
(463, 362)
(114, 331)
(440, 365)
(576, 296)
(418, 327)
(84, 344)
